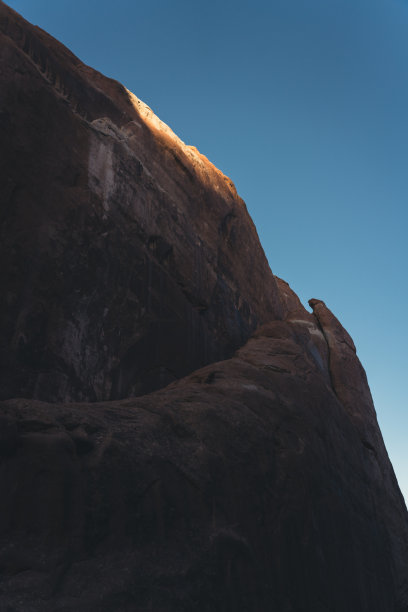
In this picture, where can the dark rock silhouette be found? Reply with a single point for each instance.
(258, 483)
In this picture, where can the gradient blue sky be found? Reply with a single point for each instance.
(304, 105)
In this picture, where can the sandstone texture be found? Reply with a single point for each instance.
(247, 486)
(257, 480)
(128, 259)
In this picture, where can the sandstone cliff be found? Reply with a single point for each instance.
(258, 483)
(128, 258)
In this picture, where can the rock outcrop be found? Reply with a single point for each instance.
(128, 259)
(257, 483)
(249, 485)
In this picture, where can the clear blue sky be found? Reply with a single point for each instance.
(304, 105)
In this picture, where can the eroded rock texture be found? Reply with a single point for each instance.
(127, 258)
(258, 483)
(249, 485)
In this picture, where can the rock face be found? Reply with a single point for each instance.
(250, 485)
(258, 483)
(129, 259)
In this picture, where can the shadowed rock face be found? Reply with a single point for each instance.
(246, 486)
(258, 483)
(128, 259)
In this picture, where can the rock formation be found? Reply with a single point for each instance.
(257, 483)
(129, 259)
